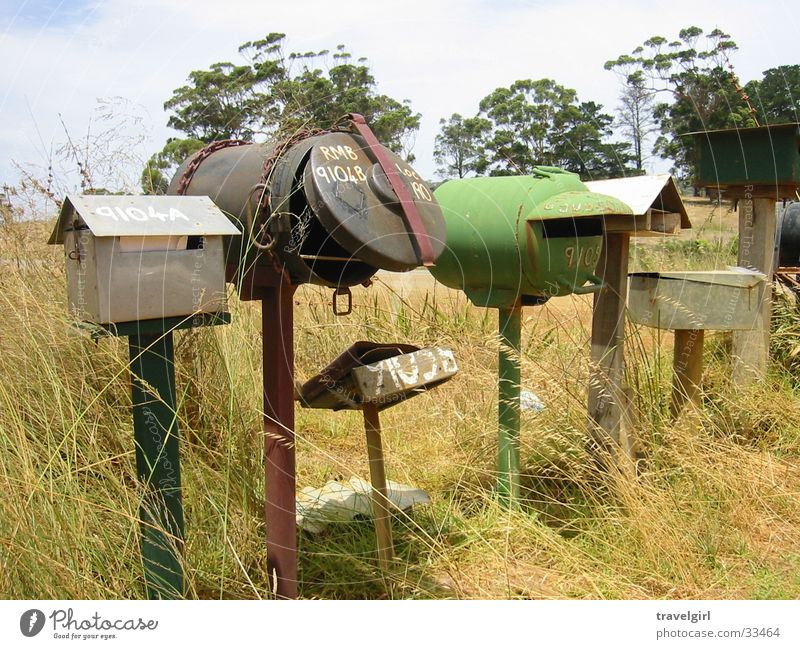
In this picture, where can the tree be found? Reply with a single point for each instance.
(635, 115)
(700, 81)
(777, 95)
(272, 95)
(459, 146)
(543, 123)
(161, 166)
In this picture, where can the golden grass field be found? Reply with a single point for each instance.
(714, 512)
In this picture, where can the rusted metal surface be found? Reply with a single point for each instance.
(197, 159)
(277, 315)
(317, 206)
(354, 201)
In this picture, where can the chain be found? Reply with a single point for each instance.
(197, 160)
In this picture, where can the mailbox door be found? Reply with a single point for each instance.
(158, 284)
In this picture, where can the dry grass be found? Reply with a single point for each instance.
(714, 512)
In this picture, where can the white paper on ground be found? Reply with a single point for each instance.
(338, 502)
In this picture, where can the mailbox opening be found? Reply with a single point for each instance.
(572, 228)
(316, 247)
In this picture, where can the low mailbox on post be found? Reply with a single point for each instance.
(514, 241)
(141, 267)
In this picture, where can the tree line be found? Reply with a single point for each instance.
(666, 88)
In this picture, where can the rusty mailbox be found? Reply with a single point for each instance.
(327, 207)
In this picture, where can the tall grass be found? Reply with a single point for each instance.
(714, 512)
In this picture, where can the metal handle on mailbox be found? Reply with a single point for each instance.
(595, 286)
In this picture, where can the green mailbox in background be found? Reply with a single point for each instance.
(522, 238)
(514, 241)
(764, 158)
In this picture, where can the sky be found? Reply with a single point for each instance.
(58, 59)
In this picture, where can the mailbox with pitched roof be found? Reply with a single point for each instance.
(132, 258)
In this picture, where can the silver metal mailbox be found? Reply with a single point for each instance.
(132, 258)
(718, 299)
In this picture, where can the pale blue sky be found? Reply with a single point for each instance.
(60, 57)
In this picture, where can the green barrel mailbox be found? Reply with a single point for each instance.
(514, 241)
(522, 238)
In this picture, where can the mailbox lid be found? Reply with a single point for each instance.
(144, 216)
(352, 197)
(724, 300)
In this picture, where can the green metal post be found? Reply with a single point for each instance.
(155, 428)
(510, 325)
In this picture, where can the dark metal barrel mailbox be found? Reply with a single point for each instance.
(787, 239)
(323, 207)
(515, 241)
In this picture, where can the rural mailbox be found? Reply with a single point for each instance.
(514, 241)
(142, 266)
(522, 238)
(132, 258)
(323, 207)
(763, 158)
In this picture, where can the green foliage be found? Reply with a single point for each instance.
(161, 165)
(776, 97)
(703, 88)
(459, 146)
(543, 123)
(272, 94)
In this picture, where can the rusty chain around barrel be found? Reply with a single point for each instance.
(197, 160)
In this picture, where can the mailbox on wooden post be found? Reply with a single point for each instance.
(141, 267)
(515, 241)
(691, 302)
(754, 166)
(372, 377)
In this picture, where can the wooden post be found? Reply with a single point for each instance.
(688, 366)
(756, 250)
(380, 495)
(608, 402)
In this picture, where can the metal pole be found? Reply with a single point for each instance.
(155, 428)
(510, 325)
(277, 311)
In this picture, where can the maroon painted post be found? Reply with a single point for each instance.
(277, 311)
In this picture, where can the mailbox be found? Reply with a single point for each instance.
(322, 206)
(133, 258)
(787, 239)
(522, 237)
(763, 158)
